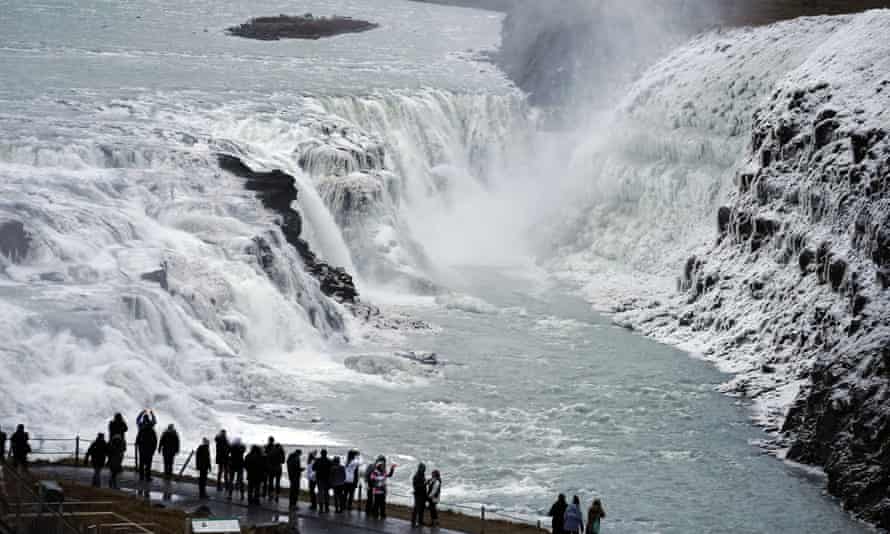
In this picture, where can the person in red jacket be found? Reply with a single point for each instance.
(378, 488)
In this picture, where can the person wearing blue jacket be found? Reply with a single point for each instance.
(574, 519)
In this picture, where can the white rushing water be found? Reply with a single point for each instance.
(413, 161)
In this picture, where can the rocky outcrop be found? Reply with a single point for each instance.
(15, 242)
(302, 27)
(277, 191)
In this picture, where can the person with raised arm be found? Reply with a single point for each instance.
(146, 444)
(378, 485)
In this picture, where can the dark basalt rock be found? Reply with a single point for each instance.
(724, 217)
(805, 259)
(277, 191)
(304, 27)
(159, 277)
(836, 272)
(848, 432)
(14, 241)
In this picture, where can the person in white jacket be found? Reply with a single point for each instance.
(310, 476)
(433, 493)
(353, 463)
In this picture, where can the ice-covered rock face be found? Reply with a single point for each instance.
(792, 294)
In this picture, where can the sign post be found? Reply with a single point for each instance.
(215, 526)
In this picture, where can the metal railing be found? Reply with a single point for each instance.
(75, 448)
(26, 511)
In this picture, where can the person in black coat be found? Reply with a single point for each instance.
(255, 463)
(222, 459)
(169, 448)
(146, 445)
(2, 445)
(19, 447)
(338, 484)
(96, 456)
(236, 467)
(118, 427)
(322, 469)
(275, 460)
(203, 463)
(558, 513)
(419, 485)
(116, 450)
(294, 472)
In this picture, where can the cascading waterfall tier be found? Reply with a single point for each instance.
(135, 271)
(129, 277)
(392, 167)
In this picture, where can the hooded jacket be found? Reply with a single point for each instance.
(202, 457)
(236, 456)
(169, 444)
(434, 490)
(223, 449)
(574, 520)
(97, 453)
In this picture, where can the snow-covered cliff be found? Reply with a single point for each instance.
(782, 133)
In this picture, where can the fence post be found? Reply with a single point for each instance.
(186, 464)
(483, 519)
(18, 506)
(539, 524)
(77, 449)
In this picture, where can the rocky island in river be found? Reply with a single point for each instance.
(299, 27)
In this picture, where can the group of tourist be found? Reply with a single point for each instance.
(263, 466)
(569, 518)
(426, 496)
